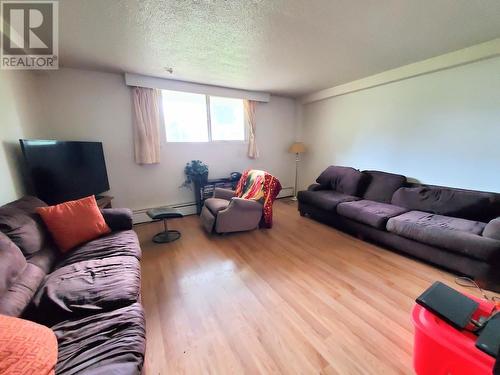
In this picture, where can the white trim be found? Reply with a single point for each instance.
(209, 118)
(189, 208)
(461, 57)
(197, 88)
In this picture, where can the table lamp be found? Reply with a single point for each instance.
(297, 148)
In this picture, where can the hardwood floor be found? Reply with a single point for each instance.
(301, 298)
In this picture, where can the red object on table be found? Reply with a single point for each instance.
(441, 349)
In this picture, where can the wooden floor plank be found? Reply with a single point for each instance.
(301, 298)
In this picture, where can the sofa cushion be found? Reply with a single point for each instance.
(345, 180)
(19, 294)
(216, 204)
(415, 219)
(324, 199)
(45, 258)
(88, 287)
(23, 228)
(368, 212)
(28, 204)
(381, 185)
(123, 243)
(12, 262)
(492, 229)
(111, 342)
(19, 220)
(454, 234)
(445, 201)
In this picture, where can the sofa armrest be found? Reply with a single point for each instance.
(315, 187)
(244, 204)
(492, 229)
(226, 194)
(118, 218)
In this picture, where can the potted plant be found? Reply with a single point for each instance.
(196, 172)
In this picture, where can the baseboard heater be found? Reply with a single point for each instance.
(140, 216)
(189, 208)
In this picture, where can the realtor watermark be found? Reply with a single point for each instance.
(30, 39)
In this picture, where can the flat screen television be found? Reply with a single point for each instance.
(62, 171)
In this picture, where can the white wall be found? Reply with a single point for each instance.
(87, 105)
(441, 128)
(18, 112)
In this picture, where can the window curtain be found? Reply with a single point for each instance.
(249, 106)
(146, 125)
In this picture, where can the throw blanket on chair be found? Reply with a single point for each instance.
(261, 187)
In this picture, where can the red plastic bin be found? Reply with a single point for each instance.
(441, 349)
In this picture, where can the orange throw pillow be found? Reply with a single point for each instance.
(26, 347)
(73, 223)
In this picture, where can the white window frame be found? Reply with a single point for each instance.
(209, 125)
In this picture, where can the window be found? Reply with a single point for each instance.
(201, 118)
(185, 116)
(226, 119)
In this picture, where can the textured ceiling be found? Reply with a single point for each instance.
(288, 47)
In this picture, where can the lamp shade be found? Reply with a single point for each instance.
(297, 148)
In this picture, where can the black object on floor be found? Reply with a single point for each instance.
(165, 213)
(450, 305)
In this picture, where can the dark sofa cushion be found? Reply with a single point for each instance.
(345, 180)
(325, 199)
(426, 219)
(381, 185)
(444, 201)
(19, 294)
(118, 218)
(88, 287)
(454, 234)
(22, 228)
(122, 243)
(20, 222)
(28, 204)
(110, 342)
(12, 262)
(45, 258)
(492, 229)
(368, 212)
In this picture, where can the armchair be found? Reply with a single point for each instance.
(226, 213)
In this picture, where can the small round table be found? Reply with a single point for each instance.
(165, 213)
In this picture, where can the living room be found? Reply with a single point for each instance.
(356, 170)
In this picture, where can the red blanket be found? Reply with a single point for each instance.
(261, 187)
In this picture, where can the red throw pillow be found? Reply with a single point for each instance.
(75, 222)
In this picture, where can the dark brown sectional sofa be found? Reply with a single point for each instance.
(456, 229)
(90, 297)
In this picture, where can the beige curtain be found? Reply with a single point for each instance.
(146, 125)
(253, 151)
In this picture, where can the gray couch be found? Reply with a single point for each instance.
(456, 229)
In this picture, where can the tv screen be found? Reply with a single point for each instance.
(62, 171)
